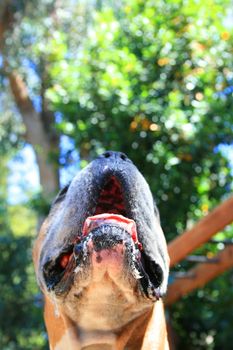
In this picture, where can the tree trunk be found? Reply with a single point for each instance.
(38, 125)
(44, 145)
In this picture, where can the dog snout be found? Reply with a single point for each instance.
(115, 156)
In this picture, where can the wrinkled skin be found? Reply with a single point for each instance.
(103, 283)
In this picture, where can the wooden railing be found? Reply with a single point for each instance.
(186, 243)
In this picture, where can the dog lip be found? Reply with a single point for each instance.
(95, 221)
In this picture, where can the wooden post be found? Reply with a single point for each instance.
(215, 221)
(202, 274)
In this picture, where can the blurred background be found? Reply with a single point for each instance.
(153, 79)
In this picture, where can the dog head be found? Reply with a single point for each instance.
(102, 243)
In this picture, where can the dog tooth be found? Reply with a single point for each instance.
(136, 273)
(77, 269)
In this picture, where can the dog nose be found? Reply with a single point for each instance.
(111, 155)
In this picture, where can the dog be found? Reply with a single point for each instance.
(101, 261)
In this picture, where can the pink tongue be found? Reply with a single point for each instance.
(101, 219)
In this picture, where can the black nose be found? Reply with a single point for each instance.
(115, 156)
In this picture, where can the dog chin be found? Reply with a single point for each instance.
(104, 293)
(105, 262)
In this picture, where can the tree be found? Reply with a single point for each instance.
(38, 125)
(25, 68)
(150, 75)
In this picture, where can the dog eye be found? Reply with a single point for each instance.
(61, 195)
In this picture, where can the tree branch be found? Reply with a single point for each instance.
(35, 134)
(199, 276)
(211, 224)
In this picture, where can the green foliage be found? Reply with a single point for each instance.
(19, 314)
(21, 326)
(11, 128)
(207, 326)
(23, 215)
(145, 82)
(40, 204)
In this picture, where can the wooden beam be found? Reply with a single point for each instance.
(215, 221)
(202, 274)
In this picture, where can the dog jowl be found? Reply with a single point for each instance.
(101, 259)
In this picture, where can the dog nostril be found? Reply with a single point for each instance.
(123, 156)
(115, 155)
(107, 154)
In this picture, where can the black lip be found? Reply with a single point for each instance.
(104, 237)
(107, 236)
(60, 279)
(90, 187)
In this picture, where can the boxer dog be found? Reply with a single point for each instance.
(101, 261)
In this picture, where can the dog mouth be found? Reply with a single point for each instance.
(108, 227)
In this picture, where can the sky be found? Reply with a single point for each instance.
(24, 176)
(23, 179)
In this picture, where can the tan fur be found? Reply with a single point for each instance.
(147, 332)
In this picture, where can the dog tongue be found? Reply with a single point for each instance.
(113, 219)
